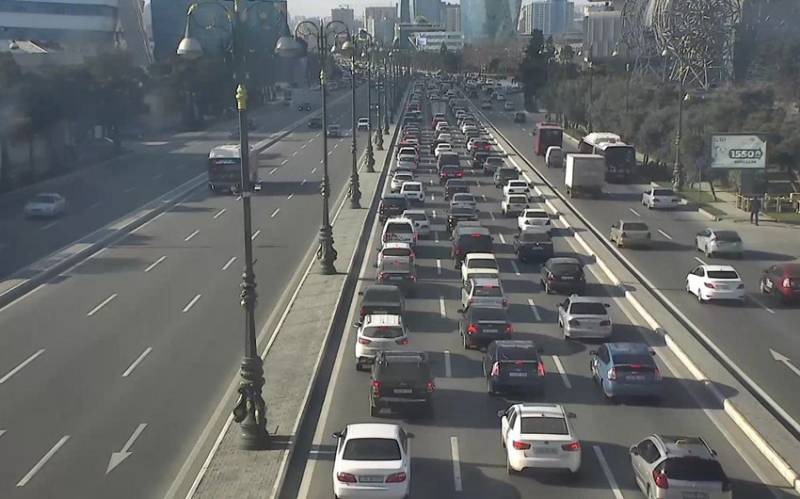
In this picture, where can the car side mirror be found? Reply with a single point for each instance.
(633, 450)
(501, 413)
(410, 435)
(337, 435)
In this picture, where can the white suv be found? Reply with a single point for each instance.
(400, 230)
(378, 333)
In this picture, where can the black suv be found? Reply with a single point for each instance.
(480, 325)
(533, 245)
(381, 299)
(513, 365)
(470, 240)
(392, 205)
(401, 379)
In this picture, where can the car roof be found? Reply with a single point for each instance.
(541, 410)
(381, 287)
(412, 182)
(574, 298)
(393, 196)
(471, 256)
(382, 320)
(396, 245)
(677, 445)
(373, 430)
(713, 268)
(399, 220)
(415, 212)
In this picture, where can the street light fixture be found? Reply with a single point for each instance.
(250, 410)
(379, 120)
(351, 46)
(326, 36)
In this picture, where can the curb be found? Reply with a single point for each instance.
(708, 214)
(769, 453)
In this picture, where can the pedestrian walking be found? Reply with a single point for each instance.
(755, 207)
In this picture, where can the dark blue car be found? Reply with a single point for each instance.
(626, 370)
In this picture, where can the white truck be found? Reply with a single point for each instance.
(585, 175)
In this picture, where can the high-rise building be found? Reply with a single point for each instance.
(431, 10)
(346, 16)
(548, 16)
(602, 32)
(405, 11)
(494, 20)
(380, 23)
(452, 17)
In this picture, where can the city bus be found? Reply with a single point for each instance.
(225, 169)
(620, 157)
(546, 135)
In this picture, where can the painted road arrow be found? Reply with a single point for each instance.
(118, 457)
(785, 360)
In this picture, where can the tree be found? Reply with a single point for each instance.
(532, 71)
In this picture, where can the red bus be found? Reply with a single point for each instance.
(546, 135)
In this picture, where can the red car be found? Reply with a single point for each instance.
(781, 281)
(449, 171)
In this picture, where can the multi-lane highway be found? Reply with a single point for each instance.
(458, 453)
(748, 334)
(109, 372)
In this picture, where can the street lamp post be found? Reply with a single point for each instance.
(326, 254)
(392, 88)
(385, 95)
(250, 410)
(379, 130)
(370, 158)
(355, 191)
(590, 65)
(677, 167)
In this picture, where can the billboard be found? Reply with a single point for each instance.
(738, 151)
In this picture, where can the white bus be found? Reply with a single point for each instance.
(225, 169)
(620, 157)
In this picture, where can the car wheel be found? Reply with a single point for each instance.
(573, 475)
(700, 295)
(547, 289)
(688, 289)
(762, 288)
(709, 254)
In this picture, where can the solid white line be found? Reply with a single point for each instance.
(228, 264)
(190, 236)
(238, 198)
(535, 309)
(448, 370)
(273, 171)
(219, 213)
(284, 162)
(153, 265)
(491, 215)
(49, 226)
(255, 235)
(456, 463)
(136, 362)
(502, 239)
(275, 212)
(607, 471)
(290, 196)
(438, 266)
(191, 303)
(701, 261)
(442, 310)
(42, 461)
(101, 305)
(313, 170)
(561, 371)
(665, 234)
(21, 366)
(514, 266)
(634, 212)
(1, 432)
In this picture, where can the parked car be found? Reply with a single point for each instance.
(401, 380)
(584, 317)
(715, 242)
(481, 324)
(626, 369)
(563, 274)
(715, 282)
(513, 365)
(629, 234)
(781, 281)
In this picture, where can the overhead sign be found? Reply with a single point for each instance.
(745, 151)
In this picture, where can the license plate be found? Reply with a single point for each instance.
(567, 278)
(370, 479)
(634, 377)
(403, 390)
(694, 495)
(544, 450)
(518, 375)
(395, 278)
(490, 330)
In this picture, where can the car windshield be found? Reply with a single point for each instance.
(399, 228)
(723, 274)
(489, 315)
(412, 187)
(372, 449)
(584, 308)
(383, 332)
(634, 226)
(728, 236)
(536, 214)
(543, 426)
(694, 469)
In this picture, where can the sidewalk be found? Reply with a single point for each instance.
(292, 361)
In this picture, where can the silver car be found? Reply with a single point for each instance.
(626, 233)
(484, 292)
(463, 200)
(713, 242)
(422, 224)
(584, 316)
(675, 467)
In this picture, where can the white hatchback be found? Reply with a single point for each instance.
(539, 436)
(475, 261)
(372, 460)
(715, 282)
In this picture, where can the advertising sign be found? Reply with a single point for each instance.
(738, 151)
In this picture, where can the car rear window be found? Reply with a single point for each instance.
(663, 192)
(517, 199)
(482, 263)
(633, 359)
(723, 274)
(396, 252)
(453, 182)
(566, 268)
(634, 226)
(694, 469)
(412, 187)
(403, 176)
(517, 353)
(480, 242)
(383, 332)
(727, 235)
(507, 172)
(488, 291)
(491, 159)
(371, 449)
(397, 371)
(460, 211)
(417, 217)
(588, 308)
(393, 201)
(544, 425)
(399, 228)
(463, 196)
(489, 314)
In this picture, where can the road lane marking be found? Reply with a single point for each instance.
(442, 310)
(448, 369)
(124, 453)
(701, 261)
(49, 226)
(136, 362)
(190, 236)
(9, 305)
(535, 309)
(304, 146)
(456, 463)
(303, 182)
(277, 210)
(433, 197)
(433, 213)
(335, 145)
(313, 170)
(607, 471)
(284, 162)
(502, 239)
(101, 305)
(634, 212)
(42, 461)
(219, 213)
(665, 234)
(483, 196)
(273, 171)
(491, 215)
(438, 266)
(255, 235)
(1, 432)
(294, 154)
(561, 371)
(514, 266)
(761, 304)
(290, 196)
(191, 303)
(154, 264)
(229, 263)
(786, 361)
(95, 205)
(21, 366)
(238, 198)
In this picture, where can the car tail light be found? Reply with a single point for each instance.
(496, 369)
(430, 387)
(787, 283)
(660, 479)
(612, 374)
(402, 341)
(605, 323)
(472, 329)
(572, 446)
(376, 388)
(574, 322)
(521, 445)
(364, 341)
(709, 285)
(509, 329)
(346, 477)
(540, 369)
(657, 374)
(396, 477)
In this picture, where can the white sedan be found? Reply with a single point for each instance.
(443, 147)
(47, 204)
(715, 282)
(534, 218)
(516, 187)
(372, 460)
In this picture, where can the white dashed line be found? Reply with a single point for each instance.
(277, 210)
(255, 235)
(502, 239)
(438, 266)
(95, 205)
(129, 189)
(535, 309)
(514, 266)
(294, 154)
(665, 234)
(21, 366)
(456, 463)
(607, 471)
(238, 198)
(42, 461)
(303, 181)
(154, 264)
(634, 212)
(436, 236)
(49, 226)
(448, 370)
(290, 196)
(191, 303)
(273, 171)
(313, 170)
(561, 371)
(136, 362)
(304, 146)
(101, 305)
(433, 197)
(284, 162)
(190, 236)
(442, 310)
(219, 213)
(229, 263)
(491, 215)
(158, 176)
(433, 213)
